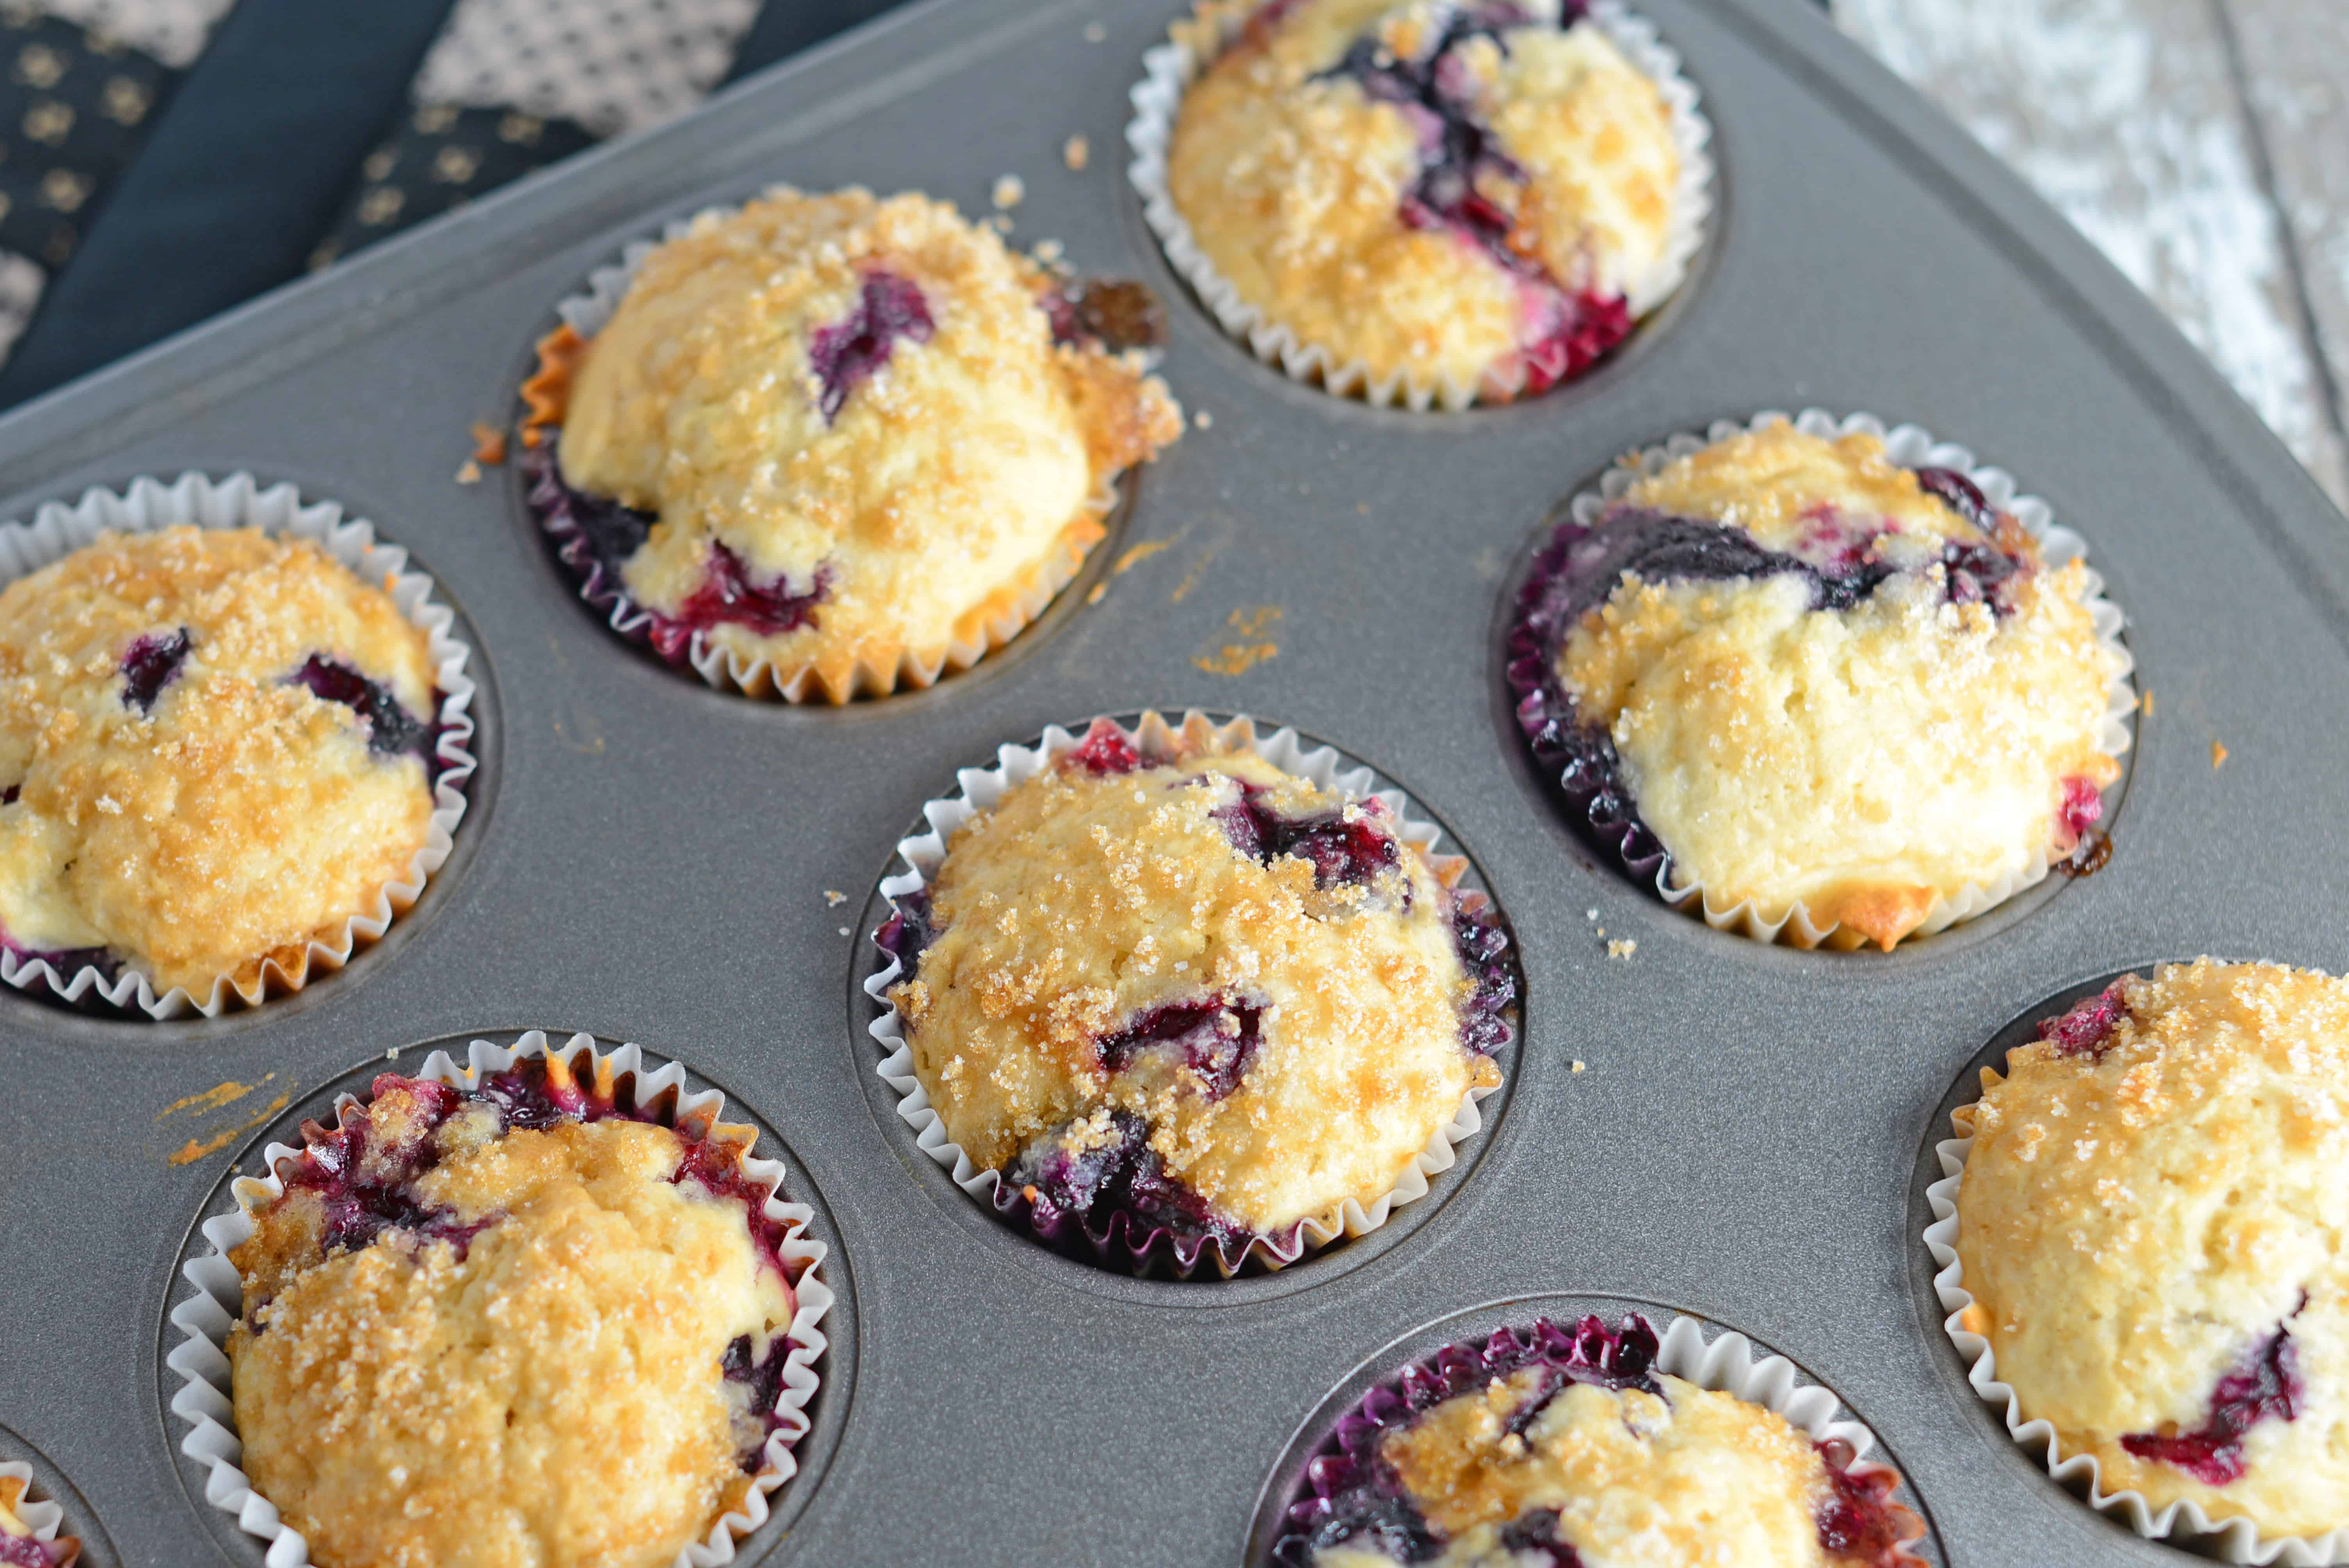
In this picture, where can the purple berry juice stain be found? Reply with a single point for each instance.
(2086, 1029)
(150, 664)
(1212, 1041)
(728, 596)
(850, 352)
(2265, 1385)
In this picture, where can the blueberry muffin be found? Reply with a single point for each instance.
(1801, 675)
(1479, 195)
(1565, 1447)
(2151, 1223)
(519, 1326)
(843, 436)
(1186, 992)
(20, 1545)
(215, 748)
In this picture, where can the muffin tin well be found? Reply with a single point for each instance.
(666, 863)
(187, 1364)
(880, 1035)
(1289, 1483)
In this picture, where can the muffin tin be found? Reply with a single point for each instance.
(1749, 1138)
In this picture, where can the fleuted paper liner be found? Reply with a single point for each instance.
(1909, 446)
(200, 1358)
(43, 1519)
(979, 790)
(1009, 611)
(2235, 1539)
(1168, 71)
(1725, 1364)
(149, 505)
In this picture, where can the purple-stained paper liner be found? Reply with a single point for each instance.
(203, 1403)
(1627, 1356)
(1570, 756)
(1122, 1244)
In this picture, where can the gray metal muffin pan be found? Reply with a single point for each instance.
(648, 859)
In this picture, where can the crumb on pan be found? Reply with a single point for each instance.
(1076, 153)
(489, 443)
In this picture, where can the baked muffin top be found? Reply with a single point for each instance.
(1819, 677)
(1556, 1458)
(1197, 989)
(2154, 1223)
(215, 745)
(1450, 191)
(840, 427)
(515, 1326)
(19, 1547)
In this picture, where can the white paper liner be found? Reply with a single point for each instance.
(2236, 1540)
(148, 505)
(43, 1519)
(204, 1319)
(1168, 71)
(1910, 447)
(587, 313)
(978, 790)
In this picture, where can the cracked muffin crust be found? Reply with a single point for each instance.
(519, 1326)
(1809, 676)
(1479, 193)
(2154, 1224)
(1188, 991)
(834, 432)
(1565, 1447)
(215, 745)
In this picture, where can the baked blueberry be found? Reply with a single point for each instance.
(1786, 673)
(850, 441)
(216, 746)
(1564, 1446)
(1175, 995)
(2150, 1224)
(531, 1321)
(1479, 195)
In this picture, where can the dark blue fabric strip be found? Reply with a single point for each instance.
(242, 176)
(784, 27)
